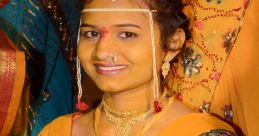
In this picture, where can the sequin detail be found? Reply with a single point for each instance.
(192, 62)
(228, 113)
(218, 132)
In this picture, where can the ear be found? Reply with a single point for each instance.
(175, 43)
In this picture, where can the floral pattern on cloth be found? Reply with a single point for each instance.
(215, 25)
(192, 63)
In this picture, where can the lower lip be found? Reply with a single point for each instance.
(109, 72)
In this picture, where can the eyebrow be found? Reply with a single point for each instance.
(117, 25)
(128, 25)
(88, 25)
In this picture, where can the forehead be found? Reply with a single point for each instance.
(109, 17)
(115, 4)
(113, 18)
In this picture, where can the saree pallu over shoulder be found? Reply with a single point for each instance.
(12, 76)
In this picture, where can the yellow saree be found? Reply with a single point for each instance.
(240, 76)
(198, 124)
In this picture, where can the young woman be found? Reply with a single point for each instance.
(126, 48)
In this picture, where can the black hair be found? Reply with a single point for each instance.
(169, 16)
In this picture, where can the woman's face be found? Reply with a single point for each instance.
(123, 37)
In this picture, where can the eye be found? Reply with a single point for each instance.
(91, 34)
(127, 35)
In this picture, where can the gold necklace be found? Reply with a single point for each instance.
(123, 120)
(124, 128)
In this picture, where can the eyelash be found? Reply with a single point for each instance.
(127, 35)
(91, 34)
(122, 35)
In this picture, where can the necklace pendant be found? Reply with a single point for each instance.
(123, 120)
(123, 128)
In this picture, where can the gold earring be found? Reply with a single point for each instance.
(165, 68)
(166, 65)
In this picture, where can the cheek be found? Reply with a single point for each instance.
(84, 53)
(160, 54)
(142, 55)
(141, 59)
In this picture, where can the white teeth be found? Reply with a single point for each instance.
(111, 68)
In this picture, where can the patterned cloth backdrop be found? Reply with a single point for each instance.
(39, 28)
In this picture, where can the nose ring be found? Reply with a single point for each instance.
(113, 59)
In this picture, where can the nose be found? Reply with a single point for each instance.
(104, 49)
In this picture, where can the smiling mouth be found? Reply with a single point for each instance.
(109, 69)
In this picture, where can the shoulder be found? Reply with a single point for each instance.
(59, 126)
(170, 113)
(180, 109)
(70, 124)
(175, 111)
(84, 124)
(202, 124)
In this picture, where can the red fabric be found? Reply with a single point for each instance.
(7, 76)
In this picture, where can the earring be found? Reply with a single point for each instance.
(80, 105)
(166, 65)
(165, 68)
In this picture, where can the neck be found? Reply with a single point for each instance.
(138, 99)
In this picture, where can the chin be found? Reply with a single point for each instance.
(111, 89)
(108, 84)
